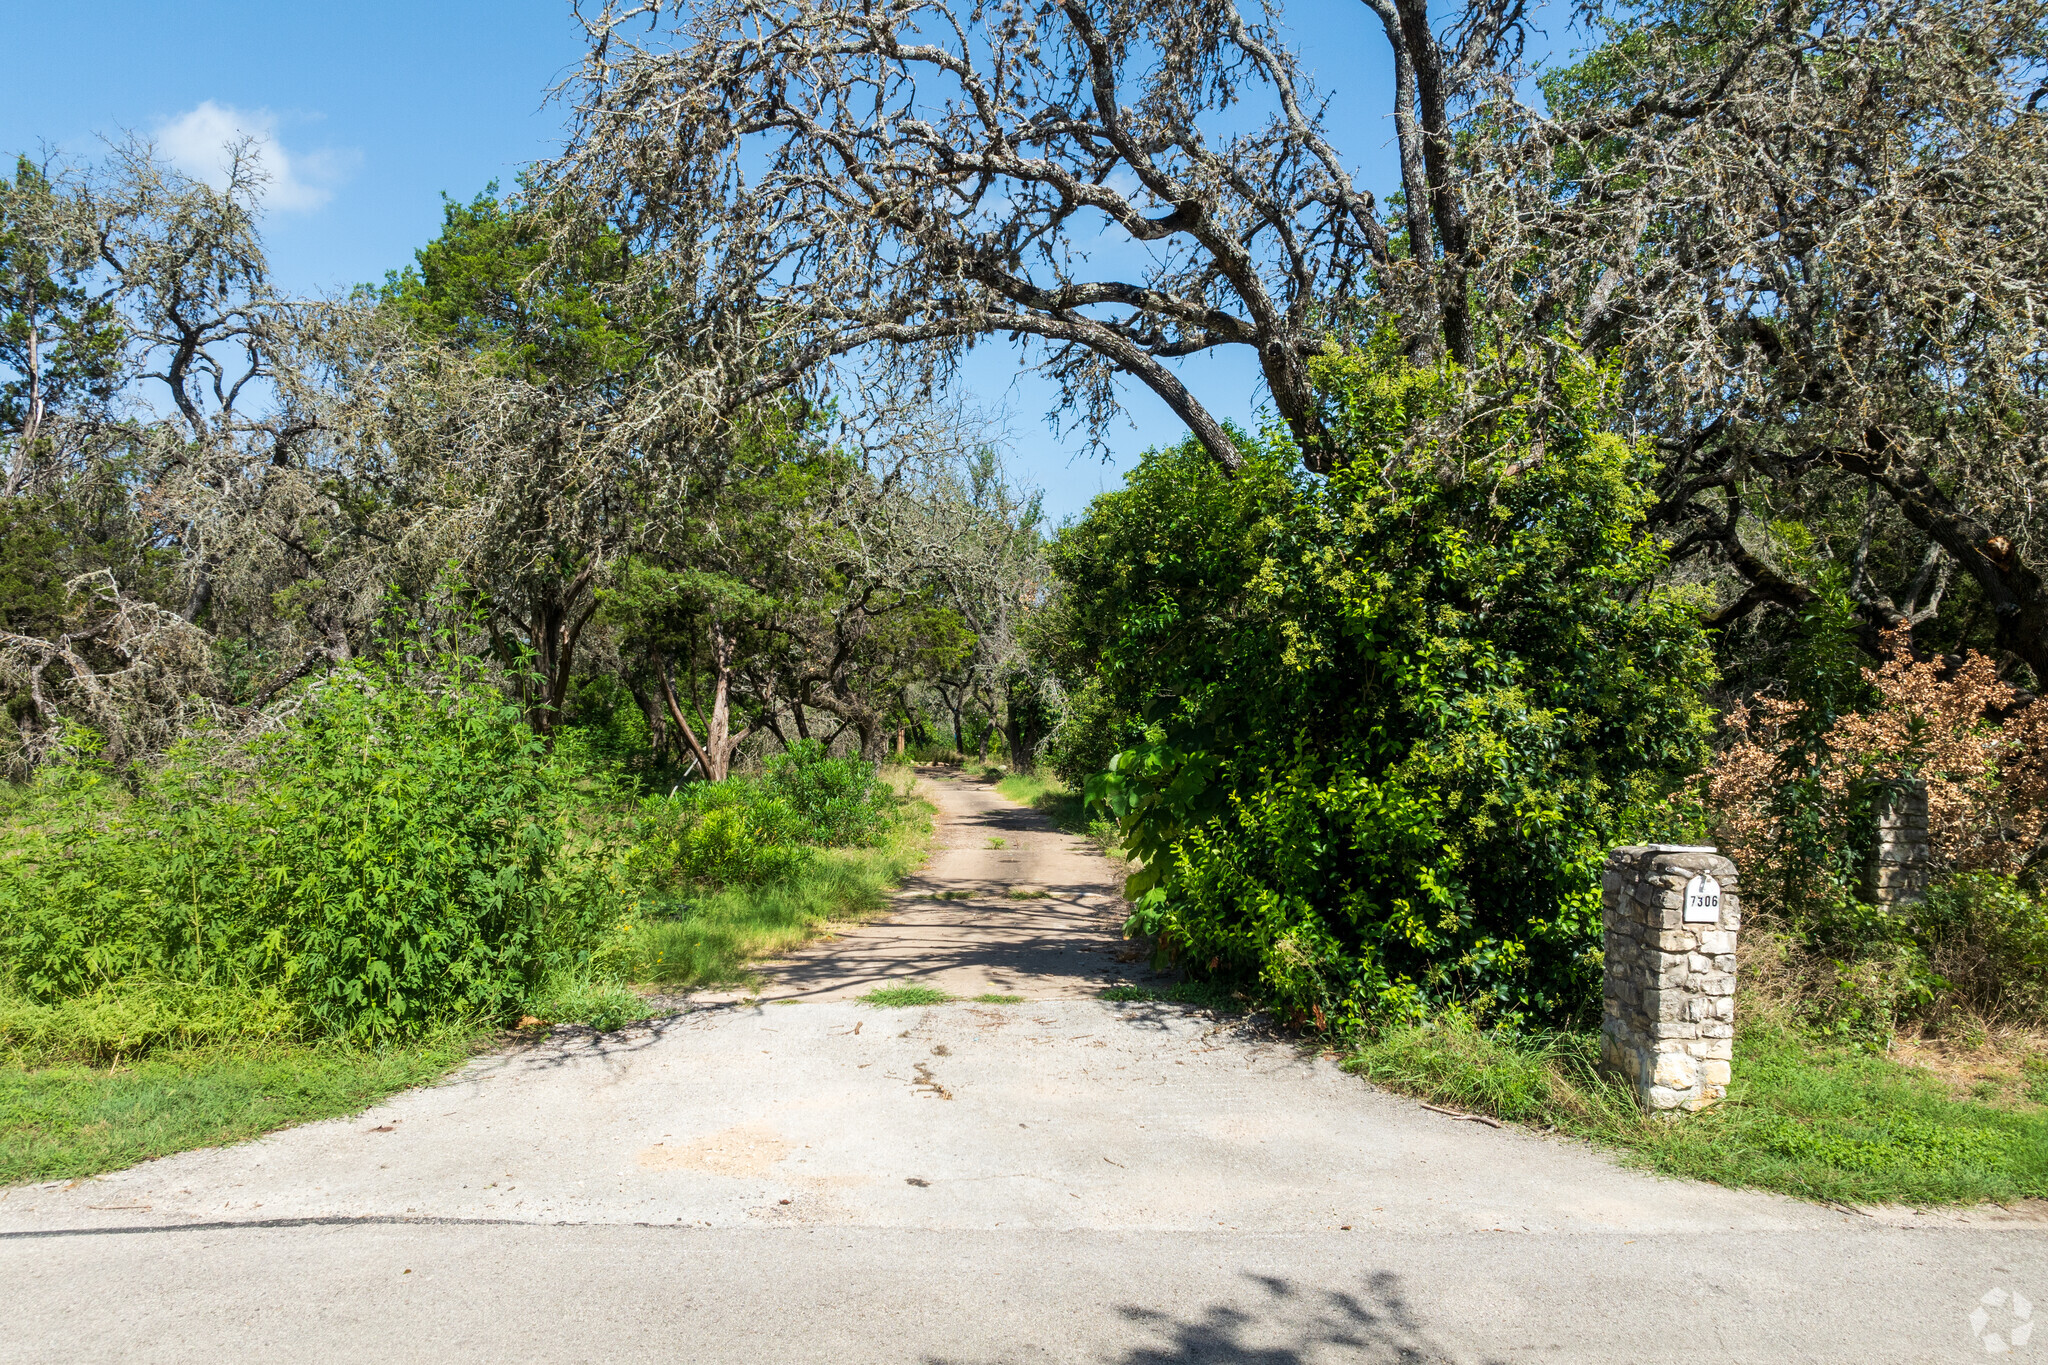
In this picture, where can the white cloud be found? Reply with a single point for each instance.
(197, 143)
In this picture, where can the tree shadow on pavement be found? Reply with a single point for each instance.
(1277, 1322)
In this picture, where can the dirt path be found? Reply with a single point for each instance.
(1008, 905)
(802, 1177)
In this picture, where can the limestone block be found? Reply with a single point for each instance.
(1676, 1070)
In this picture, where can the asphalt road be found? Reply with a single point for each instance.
(799, 1177)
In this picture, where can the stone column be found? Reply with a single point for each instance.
(1669, 914)
(1897, 871)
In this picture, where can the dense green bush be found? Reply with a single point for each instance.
(716, 834)
(1392, 719)
(841, 801)
(753, 831)
(398, 854)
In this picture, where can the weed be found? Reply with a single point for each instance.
(997, 843)
(2034, 1072)
(126, 1019)
(993, 999)
(1017, 895)
(897, 997)
(569, 998)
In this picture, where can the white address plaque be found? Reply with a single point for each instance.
(1702, 900)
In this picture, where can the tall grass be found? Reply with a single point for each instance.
(709, 939)
(1828, 1122)
(128, 1018)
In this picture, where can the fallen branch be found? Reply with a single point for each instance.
(1470, 1118)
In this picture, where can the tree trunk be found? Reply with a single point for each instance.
(657, 723)
(721, 742)
(668, 693)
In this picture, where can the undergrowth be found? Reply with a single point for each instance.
(239, 941)
(708, 938)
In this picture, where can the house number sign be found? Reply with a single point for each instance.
(1702, 900)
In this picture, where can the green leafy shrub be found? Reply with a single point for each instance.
(1395, 718)
(842, 801)
(398, 854)
(717, 834)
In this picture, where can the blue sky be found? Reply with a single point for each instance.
(375, 108)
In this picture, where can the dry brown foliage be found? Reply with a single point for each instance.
(1980, 746)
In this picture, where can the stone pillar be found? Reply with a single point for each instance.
(1668, 917)
(1896, 873)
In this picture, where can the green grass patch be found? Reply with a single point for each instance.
(1027, 895)
(604, 1005)
(898, 997)
(61, 1122)
(994, 999)
(1802, 1117)
(1199, 993)
(710, 939)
